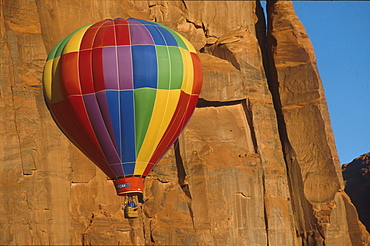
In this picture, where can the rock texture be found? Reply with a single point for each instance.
(305, 131)
(357, 177)
(256, 164)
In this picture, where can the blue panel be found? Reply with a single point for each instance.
(128, 153)
(157, 36)
(129, 168)
(170, 40)
(139, 20)
(153, 30)
(113, 106)
(144, 22)
(144, 59)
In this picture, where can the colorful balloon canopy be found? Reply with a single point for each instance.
(122, 91)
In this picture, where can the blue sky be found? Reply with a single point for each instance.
(340, 34)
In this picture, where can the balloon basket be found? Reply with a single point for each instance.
(131, 206)
(131, 212)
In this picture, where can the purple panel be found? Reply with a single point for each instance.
(117, 170)
(139, 34)
(100, 129)
(125, 72)
(101, 96)
(110, 67)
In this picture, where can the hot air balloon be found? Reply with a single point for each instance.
(122, 91)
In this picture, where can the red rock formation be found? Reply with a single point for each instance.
(256, 165)
(308, 143)
(357, 177)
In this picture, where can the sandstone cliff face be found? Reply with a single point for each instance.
(256, 164)
(357, 177)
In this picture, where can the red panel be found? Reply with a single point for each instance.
(109, 34)
(192, 103)
(85, 58)
(97, 69)
(122, 32)
(69, 73)
(198, 74)
(120, 21)
(80, 114)
(99, 36)
(79, 134)
(89, 36)
(148, 169)
(105, 35)
(85, 72)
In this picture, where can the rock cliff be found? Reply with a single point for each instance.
(256, 164)
(357, 177)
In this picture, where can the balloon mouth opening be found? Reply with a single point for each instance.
(129, 186)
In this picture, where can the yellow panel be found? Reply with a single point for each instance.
(47, 79)
(74, 42)
(188, 44)
(140, 167)
(188, 77)
(56, 91)
(164, 108)
(51, 81)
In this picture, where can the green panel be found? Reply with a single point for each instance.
(177, 67)
(144, 103)
(54, 51)
(170, 67)
(163, 59)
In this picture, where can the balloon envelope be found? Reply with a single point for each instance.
(122, 91)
